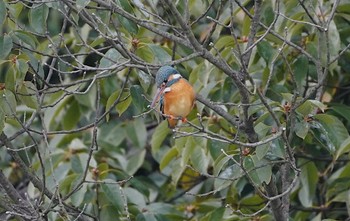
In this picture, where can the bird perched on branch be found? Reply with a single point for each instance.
(175, 95)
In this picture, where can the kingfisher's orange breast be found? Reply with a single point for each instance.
(179, 101)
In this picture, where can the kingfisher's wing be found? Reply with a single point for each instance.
(161, 105)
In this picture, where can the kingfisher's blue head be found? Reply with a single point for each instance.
(166, 76)
(163, 75)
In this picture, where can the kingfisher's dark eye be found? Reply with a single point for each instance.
(165, 81)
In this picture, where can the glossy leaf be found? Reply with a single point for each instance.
(136, 93)
(26, 38)
(38, 17)
(113, 194)
(22, 68)
(250, 167)
(228, 176)
(137, 133)
(309, 106)
(129, 25)
(3, 13)
(124, 104)
(144, 79)
(199, 159)
(334, 128)
(160, 54)
(159, 136)
(263, 169)
(27, 93)
(8, 103)
(344, 147)
(135, 162)
(111, 57)
(265, 50)
(2, 121)
(308, 179)
(300, 71)
(302, 129)
(82, 4)
(5, 46)
(72, 116)
(168, 157)
(343, 110)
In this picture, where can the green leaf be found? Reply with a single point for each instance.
(263, 169)
(22, 68)
(335, 129)
(88, 99)
(145, 80)
(199, 159)
(265, 50)
(5, 46)
(113, 194)
(215, 148)
(136, 93)
(38, 17)
(338, 182)
(26, 92)
(3, 13)
(344, 147)
(302, 129)
(126, 6)
(160, 53)
(97, 41)
(123, 104)
(135, 162)
(111, 135)
(78, 197)
(136, 131)
(135, 197)
(2, 121)
(187, 151)
(322, 136)
(108, 213)
(111, 99)
(334, 39)
(145, 53)
(309, 180)
(224, 41)
(76, 164)
(300, 69)
(10, 78)
(82, 4)
(227, 176)
(309, 106)
(66, 184)
(72, 116)
(103, 170)
(262, 150)
(342, 109)
(246, 25)
(159, 136)
(7, 103)
(248, 164)
(129, 25)
(168, 157)
(26, 38)
(111, 57)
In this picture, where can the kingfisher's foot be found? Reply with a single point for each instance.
(171, 117)
(184, 120)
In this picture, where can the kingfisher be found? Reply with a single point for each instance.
(175, 95)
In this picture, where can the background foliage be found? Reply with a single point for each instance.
(268, 139)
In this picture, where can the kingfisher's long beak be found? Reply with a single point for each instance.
(157, 96)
